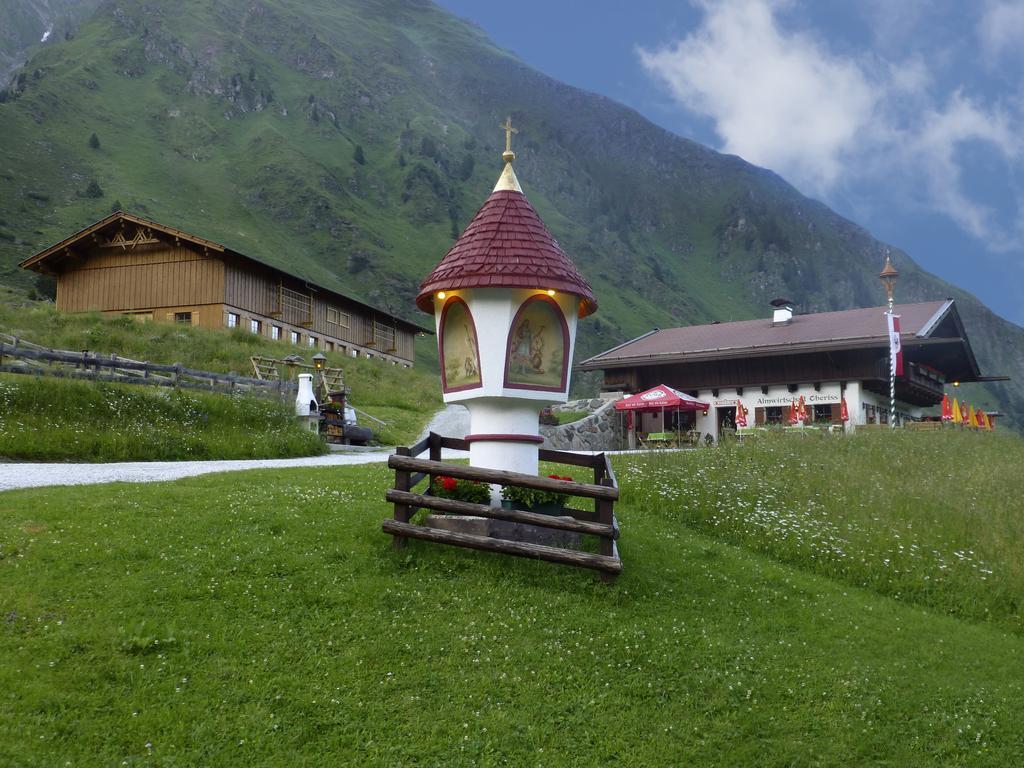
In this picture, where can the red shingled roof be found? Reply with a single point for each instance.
(506, 245)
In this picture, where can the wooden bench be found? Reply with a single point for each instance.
(923, 426)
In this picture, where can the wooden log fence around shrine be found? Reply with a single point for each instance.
(40, 361)
(411, 470)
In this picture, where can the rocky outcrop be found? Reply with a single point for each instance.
(601, 430)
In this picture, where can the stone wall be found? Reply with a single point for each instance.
(600, 431)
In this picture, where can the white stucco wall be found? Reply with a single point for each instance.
(828, 393)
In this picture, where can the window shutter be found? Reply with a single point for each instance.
(195, 318)
(758, 416)
(837, 414)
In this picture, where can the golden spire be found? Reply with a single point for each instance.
(508, 180)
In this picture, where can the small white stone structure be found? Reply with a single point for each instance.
(506, 300)
(306, 407)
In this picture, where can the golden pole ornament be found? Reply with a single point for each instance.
(888, 276)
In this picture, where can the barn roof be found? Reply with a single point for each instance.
(923, 323)
(506, 245)
(49, 260)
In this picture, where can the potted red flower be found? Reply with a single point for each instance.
(535, 500)
(472, 491)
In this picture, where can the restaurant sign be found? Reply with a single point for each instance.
(811, 398)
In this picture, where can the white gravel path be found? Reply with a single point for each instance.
(36, 475)
(452, 421)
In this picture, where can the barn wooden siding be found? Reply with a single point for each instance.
(162, 276)
(258, 292)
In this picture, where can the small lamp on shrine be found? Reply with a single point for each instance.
(319, 361)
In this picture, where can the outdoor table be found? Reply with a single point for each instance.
(660, 440)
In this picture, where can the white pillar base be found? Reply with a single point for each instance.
(504, 434)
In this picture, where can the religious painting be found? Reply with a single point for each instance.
(460, 354)
(538, 347)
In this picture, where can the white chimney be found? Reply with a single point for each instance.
(783, 314)
(305, 401)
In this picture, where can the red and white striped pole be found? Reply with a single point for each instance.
(888, 277)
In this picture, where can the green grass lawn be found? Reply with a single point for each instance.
(261, 618)
(404, 398)
(568, 417)
(50, 419)
(933, 519)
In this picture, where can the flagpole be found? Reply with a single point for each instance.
(888, 277)
(892, 378)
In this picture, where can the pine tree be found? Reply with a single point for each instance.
(466, 167)
(358, 155)
(94, 141)
(93, 190)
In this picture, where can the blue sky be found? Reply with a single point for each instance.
(906, 116)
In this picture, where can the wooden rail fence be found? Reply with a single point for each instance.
(411, 470)
(22, 357)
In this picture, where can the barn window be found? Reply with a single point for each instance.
(337, 317)
(255, 326)
(183, 317)
(312, 340)
(294, 337)
(823, 413)
(232, 320)
(275, 332)
(384, 337)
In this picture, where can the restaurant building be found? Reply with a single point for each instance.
(127, 265)
(768, 364)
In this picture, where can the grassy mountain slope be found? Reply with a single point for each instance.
(350, 142)
(24, 24)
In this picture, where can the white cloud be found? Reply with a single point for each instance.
(781, 99)
(934, 149)
(1001, 28)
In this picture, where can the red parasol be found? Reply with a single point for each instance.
(659, 398)
(801, 413)
(793, 413)
(844, 412)
(741, 415)
(947, 409)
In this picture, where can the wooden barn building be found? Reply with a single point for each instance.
(127, 265)
(826, 358)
